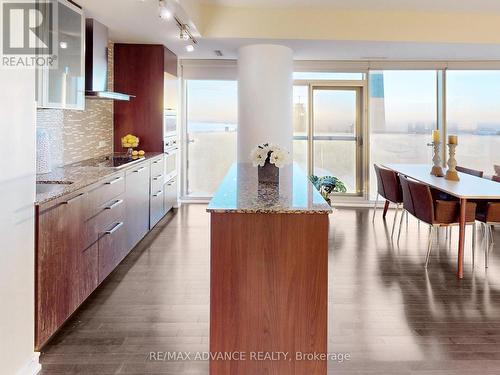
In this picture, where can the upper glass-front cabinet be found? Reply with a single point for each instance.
(64, 86)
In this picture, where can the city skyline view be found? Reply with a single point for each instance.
(473, 100)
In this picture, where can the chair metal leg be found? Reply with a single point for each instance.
(429, 247)
(491, 234)
(486, 246)
(473, 244)
(375, 208)
(395, 218)
(401, 222)
(449, 238)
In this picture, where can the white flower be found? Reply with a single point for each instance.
(279, 158)
(259, 156)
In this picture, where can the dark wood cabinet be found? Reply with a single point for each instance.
(137, 197)
(87, 272)
(60, 250)
(112, 248)
(82, 237)
(139, 69)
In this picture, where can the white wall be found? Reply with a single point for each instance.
(17, 194)
(265, 86)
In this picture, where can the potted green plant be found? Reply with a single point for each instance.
(327, 185)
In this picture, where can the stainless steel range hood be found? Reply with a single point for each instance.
(96, 63)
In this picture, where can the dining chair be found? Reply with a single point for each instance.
(408, 207)
(488, 214)
(419, 202)
(389, 188)
(472, 172)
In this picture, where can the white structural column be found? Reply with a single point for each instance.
(265, 85)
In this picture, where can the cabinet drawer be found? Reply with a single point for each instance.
(170, 198)
(102, 216)
(156, 184)
(112, 248)
(157, 166)
(156, 207)
(110, 212)
(107, 190)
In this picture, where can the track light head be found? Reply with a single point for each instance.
(184, 35)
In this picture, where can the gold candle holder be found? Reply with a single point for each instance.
(437, 169)
(451, 173)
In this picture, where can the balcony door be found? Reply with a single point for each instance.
(336, 147)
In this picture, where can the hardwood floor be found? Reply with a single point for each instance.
(385, 310)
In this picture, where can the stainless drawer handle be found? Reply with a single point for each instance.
(139, 170)
(114, 181)
(157, 177)
(158, 194)
(74, 199)
(116, 204)
(114, 229)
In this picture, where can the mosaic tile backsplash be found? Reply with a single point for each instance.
(79, 135)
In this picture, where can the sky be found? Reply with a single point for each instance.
(410, 97)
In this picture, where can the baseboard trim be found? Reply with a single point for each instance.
(33, 367)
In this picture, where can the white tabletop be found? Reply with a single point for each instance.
(469, 187)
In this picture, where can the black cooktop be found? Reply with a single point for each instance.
(114, 161)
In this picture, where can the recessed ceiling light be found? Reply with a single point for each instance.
(63, 45)
(190, 48)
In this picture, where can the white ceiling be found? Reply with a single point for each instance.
(137, 21)
(423, 5)
(354, 50)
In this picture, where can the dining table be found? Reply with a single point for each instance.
(468, 187)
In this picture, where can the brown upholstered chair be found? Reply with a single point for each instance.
(472, 172)
(389, 188)
(408, 207)
(419, 202)
(488, 214)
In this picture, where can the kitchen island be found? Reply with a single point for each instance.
(269, 275)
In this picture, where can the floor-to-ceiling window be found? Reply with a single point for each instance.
(403, 111)
(211, 125)
(328, 125)
(336, 129)
(473, 113)
(300, 124)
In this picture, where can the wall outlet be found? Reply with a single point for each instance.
(102, 144)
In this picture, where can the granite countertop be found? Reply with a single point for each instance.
(240, 192)
(70, 178)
